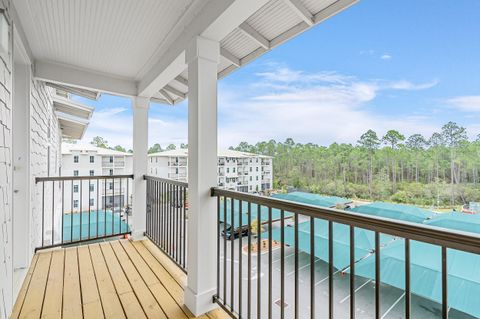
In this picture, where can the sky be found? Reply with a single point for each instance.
(409, 65)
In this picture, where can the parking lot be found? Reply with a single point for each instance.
(392, 299)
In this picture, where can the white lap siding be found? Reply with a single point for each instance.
(6, 243)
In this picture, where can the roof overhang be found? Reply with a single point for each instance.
(73, 127)
(142, 52)
(69, 107)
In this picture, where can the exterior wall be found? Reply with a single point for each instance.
(6, 223)
(45, 159)
(245, 174)
(121, 165)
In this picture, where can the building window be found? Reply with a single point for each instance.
(176, 171)
(92, 159)
(250, 187)
(92, 172)
(110, 186)
(228, 170)
(75, 188)
(111, 159)
(234, 169)
(75, 173)
(75, 159)
(75, 203)
(250, 169)
(257, 168)
(250, 178)
(257, 178)
(111, 172)
(92, 187)
(92, 202)
(257, 160)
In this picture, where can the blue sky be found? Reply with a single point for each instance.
(410, 65)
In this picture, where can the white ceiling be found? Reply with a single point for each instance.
(111, 36)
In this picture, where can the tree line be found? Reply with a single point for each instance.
(440, 170)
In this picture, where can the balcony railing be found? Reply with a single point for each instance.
(272, 292)
(167, 217)
(74, 209)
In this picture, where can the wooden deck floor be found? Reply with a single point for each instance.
(117, 279)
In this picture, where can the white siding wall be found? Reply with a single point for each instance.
(45, 156)
(6, 232)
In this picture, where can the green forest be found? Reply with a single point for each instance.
(437, 171)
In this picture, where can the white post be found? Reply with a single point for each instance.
(140, 160)
(202, 59)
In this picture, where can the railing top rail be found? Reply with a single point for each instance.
(165, 180)
(76, 178)
(464, 241)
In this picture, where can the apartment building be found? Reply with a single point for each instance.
(241, 171)
(89, 160)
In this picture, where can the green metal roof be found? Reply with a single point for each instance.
(456, 221)
(312, 199)
(395, 211)
(426, 273)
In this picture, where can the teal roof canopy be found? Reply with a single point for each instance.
(456, 221)
(407, 213)
(312, 199)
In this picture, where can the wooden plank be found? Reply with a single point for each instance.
(92, 306)
(147, 300)
(52, 306)
(169, 265)
(72, 298)
(168, 304)
(32, 306)
(218, 314)
(173, 287)
(23, 291)
(143, 269)
(129, 301)
(110, 302)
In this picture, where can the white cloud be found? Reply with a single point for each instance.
(409, 86)
(316, 111)
(386, 57)
(469, 103)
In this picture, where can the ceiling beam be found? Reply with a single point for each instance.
(301, 11)
(255, 35)
(174, 91)
(214, 21)
(82, 78)
(333, 9)
(167, 96)
(182, 80)
(230, 57)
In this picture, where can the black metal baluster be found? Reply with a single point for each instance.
(352, 272)
(232, 256)
(407, 279)
(240, 265)
(113, 206)
(128, 203)
(89, 195)
(377, 275)
(98, 204)
(249, 261)
(43, 213)
(330, 270)
(224, 250)
(53, 211)
(259, 262)
(270, 300)
(312, 267)
(81, 208)
(218, 246)
(63, 210)
(120, 204)
(184, 208)
(105, 207)
(71, 212)
(282, 264)
(296, 266)
(444, 283)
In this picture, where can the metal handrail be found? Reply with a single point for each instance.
(165, 180)
(460, 240)
(83, 177)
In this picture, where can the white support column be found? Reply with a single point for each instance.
(140, 160)
(202, 59)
